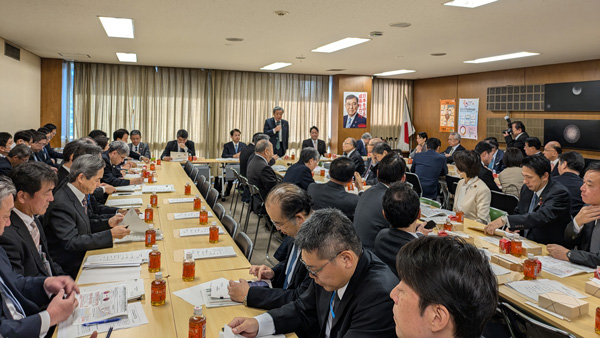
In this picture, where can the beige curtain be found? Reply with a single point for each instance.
(387, 107)
(157, 101)
(244, 100)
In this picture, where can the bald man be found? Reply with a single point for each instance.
(551, 151)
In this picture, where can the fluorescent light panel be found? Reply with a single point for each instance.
(127, 57)
(276, 65)
(395, 72)
(340, 44)
(468, 3)
(117, 27)
(502, 57)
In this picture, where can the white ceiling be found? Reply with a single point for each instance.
(191, 33)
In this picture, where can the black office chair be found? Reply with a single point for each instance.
(211, 198)
(452, 181)
(504, 202)
(204, 189)
(523, 326)
(219, 211)
(188, 168)
(230, 225)
(245, 203)
(257, 207)
(237, 190)
(245, 244)
(194, 174)
(416, 183)
(200, 179)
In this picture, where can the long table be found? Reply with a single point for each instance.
(171, 320)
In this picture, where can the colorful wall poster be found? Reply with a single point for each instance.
(447, 113)
(355, 110)
(468, 116)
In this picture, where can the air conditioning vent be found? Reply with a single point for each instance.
(12, 51)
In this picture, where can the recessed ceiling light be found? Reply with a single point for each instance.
(127, 57)
(281, 13)
(75, 56)
(276, 65)
(400, 24)
(468, 3)
(437, 54)
(502, 57)
(395, 72)
(335, 70)
(117, 27)
(375, 34)
(340, 44)
(234, 39)
(301, 57)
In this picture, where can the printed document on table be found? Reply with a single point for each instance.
(201, 231)
(106, 275)
(158, 188)
(115, 259)
(180, 200)
(101, 304)
(562, 268)
(228, 333)
(124, 202)
(135, 317)
(128, 188)
(133, 221)
(216, 252)
(201, 295)
(190, 215)
(135, 288)
(138, 237)
(533, 288)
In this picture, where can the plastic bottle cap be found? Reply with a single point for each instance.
(158, 275)
(187, 183)
(150, 226)
(189, 255)
(155, 247)
(149, 206)
(197, 310)
(197, 196)
(203, 208)
(214, 223)
(530, 255)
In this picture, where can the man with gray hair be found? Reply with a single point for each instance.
(349, 148)
(348, 294)
(453, 146)
(361, 145)
(300, 173)
(27, 308)
(16, 156)
(70, 230)
(278, 130)
(260, 173)
(116, 154)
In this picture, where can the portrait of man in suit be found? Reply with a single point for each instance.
(354, 110)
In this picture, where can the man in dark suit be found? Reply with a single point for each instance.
(333, 194)
(544, 208)
(349, 294)
(352, 119)
(137, 149)
(520, 135)
(49, 150)
(582, 235)
(260, 173)
(453, 146)
(369, 220)
(429, 166)
(248, 153)
(27, 308)
(288, 207)
(552, 151)
(278, 130)
(43, 153)
(16, 156)
(349, 148)
(401, 208)
(25, 241)
(6, 143)
(496, 165)
(234, 148)
(181, 144)
(370, 175)
(314, 141)
(363, 143)
(38, 143)
(486, 153)
(300, 173)
(533, 146)
(116, 154)
(69, 228)
(420, 310)
(570, 165)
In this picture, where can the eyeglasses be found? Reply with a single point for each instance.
(316, 272)
(280, 225)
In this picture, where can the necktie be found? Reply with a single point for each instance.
(288, 273)
(534, 202)
(349, 122)
(331, 315)
(235, 148)
(35, 234)
(279, 135)
(18, 313)
(315, 144)
(85, 203)
(136, 149)
(451, 151)
(551, 166)
(595, 242)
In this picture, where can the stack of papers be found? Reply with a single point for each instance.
(118, 259)
(562, 268)
(533, 288)
(180, 200)
(124, 202)
(135, 317)
(279, 167)
(128, 188)
(222, 251)
(138, 237)
(134, 287)
(202, 231)
(191, 214)
(106, 275)
(102, 303)
(202, 294)
(146, 189)
(131, 176)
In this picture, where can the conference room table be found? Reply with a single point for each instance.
(171, 319)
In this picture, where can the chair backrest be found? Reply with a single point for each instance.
(452, 181)
(219, 211)
(521, 325)
(230, 225)
(236, 173)
(496, 213)
(200, 179)
(430, 202)
(194, 174)
(212, 197)
(504, 202)
(229, 175)
(416, 183)
(204, 189)
(258, 204)
(188, 167)
(244, 243)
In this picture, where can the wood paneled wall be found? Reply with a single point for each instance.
(341, 84)
(428, 92)
(51, 96)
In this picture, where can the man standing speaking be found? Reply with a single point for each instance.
(278, 131)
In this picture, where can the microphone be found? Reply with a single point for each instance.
(279, 122)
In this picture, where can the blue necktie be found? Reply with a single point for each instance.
(6, 292)
(349, 122)
(534, 201)
(289, 269)
(235, 148)
(331, 305)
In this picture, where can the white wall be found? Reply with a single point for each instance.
(20, 88)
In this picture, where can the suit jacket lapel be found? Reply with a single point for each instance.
(79, 207)
(357, 277)
(22, 230)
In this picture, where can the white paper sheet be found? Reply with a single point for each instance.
(492, 240)
(133, 193)
(138, 237)
(135, 317)
(189, 215)
(128, 188)
(201, 231)
(533, 288)
(221, 251)
(102, 303)
(201, 295)
(115, 259)
(135, 224)
(180, 200)
(498, 270)
(135, 288)
(218, 289)
(227, 333)
(131, 176)
(124, 202)
(562, 268)
(146, 189)
(105, 275)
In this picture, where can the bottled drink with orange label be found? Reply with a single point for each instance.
(516, 246)
(154, 259)
(531, 267)
(448, 225)
(158, 289)
(189, 268)
(150, 238)
(197, 203)
(197, 324)
(190, 158)
(597, 324)
(203, 217)
(460, 216)
(158, 162)
(144, 172)
(149, 214)
(213, 233)
(350, 186)
(188, 188)
(154, 199)
(152, 166)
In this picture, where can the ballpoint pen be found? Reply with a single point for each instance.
(109, 332)
(111, 320)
